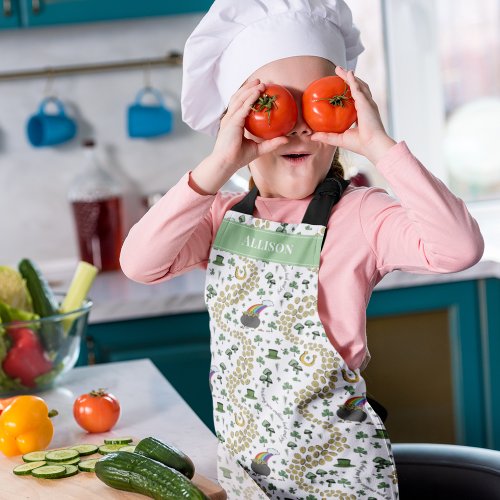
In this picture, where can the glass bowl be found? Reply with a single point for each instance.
(35, 354)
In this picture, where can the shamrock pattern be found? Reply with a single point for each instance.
(286, 405)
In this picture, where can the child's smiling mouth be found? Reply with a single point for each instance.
(296, 157)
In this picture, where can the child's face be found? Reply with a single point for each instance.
(275, 175)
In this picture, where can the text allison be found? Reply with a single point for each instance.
(267, 246)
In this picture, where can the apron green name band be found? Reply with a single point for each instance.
(261, 244)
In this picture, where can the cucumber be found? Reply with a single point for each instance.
(71, 470)
(34, 456)
(71, 461)
(25, 469)
(166, 454)
(44, 304)
(85, 449)
(49, 471)
(88, 465)
(109, 448)
(61, 455)
(130, 448)
(118, 440)
(136, 473)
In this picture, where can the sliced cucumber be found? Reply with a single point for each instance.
(49, 471)
(109, 448)
(71, 470)
(118, 440)
(72, 461)
(85, 449)
(34, 456)
(61, 455)
(88, 465)
(130, 448)
(25, 469)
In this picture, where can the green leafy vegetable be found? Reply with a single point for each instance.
(13, 290)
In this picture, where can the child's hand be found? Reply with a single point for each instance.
(368, 137)
(231, 148)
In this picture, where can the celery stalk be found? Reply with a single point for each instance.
(80, 285)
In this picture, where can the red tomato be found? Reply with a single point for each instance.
(273, 114)
(97, 411)
(327, 105)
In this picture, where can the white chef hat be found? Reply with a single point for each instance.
(237, 37)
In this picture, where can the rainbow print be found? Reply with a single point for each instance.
(263, 457)
(256, 309)
(356, 402)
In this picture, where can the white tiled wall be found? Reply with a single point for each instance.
(35, 220)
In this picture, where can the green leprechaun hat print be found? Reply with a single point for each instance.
(343, 462)
(250, 317)
(219, 260)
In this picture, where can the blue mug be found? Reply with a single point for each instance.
(148, 120)
(46, 129)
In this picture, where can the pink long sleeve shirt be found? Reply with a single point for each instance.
(425, 230)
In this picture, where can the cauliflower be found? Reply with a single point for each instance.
(13, 290)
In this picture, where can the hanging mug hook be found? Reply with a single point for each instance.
(49, 84)
(147, 75)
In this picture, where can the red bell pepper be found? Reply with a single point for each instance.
(26, 359)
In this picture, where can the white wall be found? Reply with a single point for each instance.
(35, 218)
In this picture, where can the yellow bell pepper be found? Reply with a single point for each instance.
(25, 426)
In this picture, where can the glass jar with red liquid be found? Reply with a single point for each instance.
(97, 203)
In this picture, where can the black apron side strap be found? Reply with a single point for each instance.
(327, 194)
(247, 204)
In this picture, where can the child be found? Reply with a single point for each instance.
(291, 265)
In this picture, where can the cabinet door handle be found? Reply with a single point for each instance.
(7, 8)
(35, 6)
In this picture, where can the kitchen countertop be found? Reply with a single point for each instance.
(117, 298)
(150, 406)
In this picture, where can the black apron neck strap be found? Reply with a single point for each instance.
(247, 204)
(326, 195)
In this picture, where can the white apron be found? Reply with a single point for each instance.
(285, 402)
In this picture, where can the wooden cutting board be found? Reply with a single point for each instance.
(83, 485)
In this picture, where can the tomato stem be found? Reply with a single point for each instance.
(98, 394)
(336, 100)
(265, 103)
(53, 413)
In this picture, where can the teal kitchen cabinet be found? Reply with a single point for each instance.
(32, 13)
(179, 346)
(436, 361)
(9, 14)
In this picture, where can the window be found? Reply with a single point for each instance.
(444, 84)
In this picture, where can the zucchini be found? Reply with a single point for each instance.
(166, 454)
(139, 474)
(44, 304)
(44, 301)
